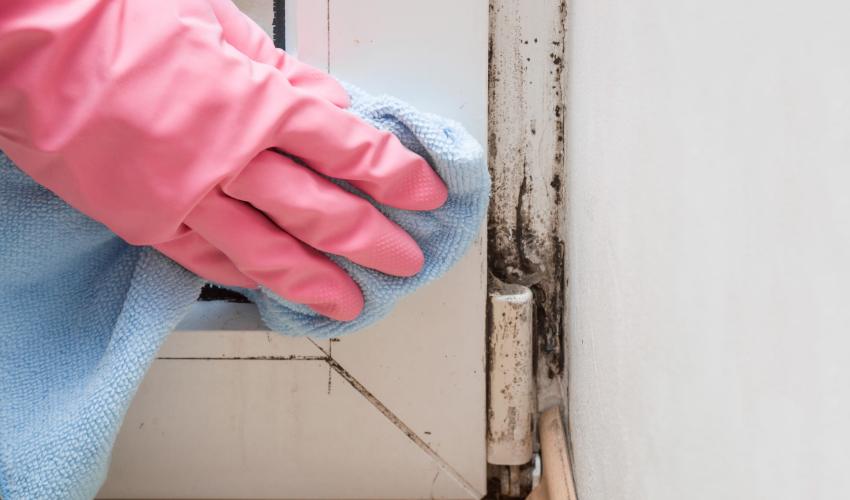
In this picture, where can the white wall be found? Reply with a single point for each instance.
(709, 170)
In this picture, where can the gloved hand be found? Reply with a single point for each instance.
(162, 118)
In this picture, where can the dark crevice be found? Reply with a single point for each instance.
(279, 24)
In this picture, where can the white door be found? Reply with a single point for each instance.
(230, 410)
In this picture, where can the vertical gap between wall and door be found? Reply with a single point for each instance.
(279, 24)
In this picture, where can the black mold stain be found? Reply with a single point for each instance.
(518, 251)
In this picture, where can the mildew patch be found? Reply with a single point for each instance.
(526, 226)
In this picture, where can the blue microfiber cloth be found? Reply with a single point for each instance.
(82, 313)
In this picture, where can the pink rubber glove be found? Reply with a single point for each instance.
(157, 117)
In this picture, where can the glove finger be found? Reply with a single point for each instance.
(324, 215)
(274, 259)
(241, 32)
(338, 144)
(197, 255)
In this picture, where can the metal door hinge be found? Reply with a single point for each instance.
(512, 405)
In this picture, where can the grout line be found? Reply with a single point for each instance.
(395, 420)
(330, 369)
(246, 358)
(328, 33)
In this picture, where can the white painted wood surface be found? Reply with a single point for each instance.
(395, 411)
